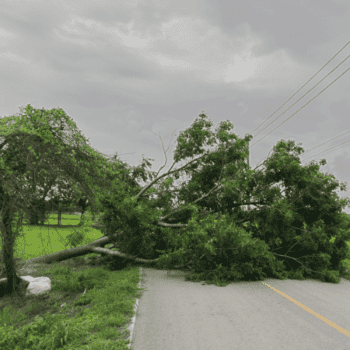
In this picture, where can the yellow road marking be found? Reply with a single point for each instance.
(330, 323)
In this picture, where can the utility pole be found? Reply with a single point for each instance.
(248, 168)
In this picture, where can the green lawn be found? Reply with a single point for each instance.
(39, 240)
(95, 320)
(89, 306)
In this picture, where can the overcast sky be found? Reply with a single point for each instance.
(127, 71)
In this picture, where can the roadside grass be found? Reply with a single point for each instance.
(89, 306)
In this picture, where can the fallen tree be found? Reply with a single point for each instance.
(285, 236)
(93, 247)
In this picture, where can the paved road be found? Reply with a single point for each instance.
(175, 314)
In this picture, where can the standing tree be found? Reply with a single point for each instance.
(68, 196)
(22, 155)
(63, 198)
(39, 206)
(36, 209)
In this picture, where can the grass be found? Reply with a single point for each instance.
(88, 307)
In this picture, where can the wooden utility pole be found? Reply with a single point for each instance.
(248, 168)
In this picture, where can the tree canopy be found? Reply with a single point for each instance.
(201, 224)
(32, 151)
(284, 237)
(68, 192)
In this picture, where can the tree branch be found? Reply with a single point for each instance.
(300, 263)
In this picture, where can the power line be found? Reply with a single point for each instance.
(249, 169)
(304, 94)
(303, 106)
(328, 150)
(305, 103)
(320, 145)
(301, 98)
(326, 142)
(299, 90)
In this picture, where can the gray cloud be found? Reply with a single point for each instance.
(125, 71)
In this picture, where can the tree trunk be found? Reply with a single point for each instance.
(82, 203)
(33, 218)
(7, 258)
(59, 217)
(37, 212)
(93, 247)
(81, 220)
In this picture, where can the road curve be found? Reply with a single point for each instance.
(273, 314)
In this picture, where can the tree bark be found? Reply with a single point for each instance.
(59, 216)
(93, 247)
(7, 254)
(82, 203)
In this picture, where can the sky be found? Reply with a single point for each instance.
(129, 71)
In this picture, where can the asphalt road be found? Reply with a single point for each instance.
(175, 314)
